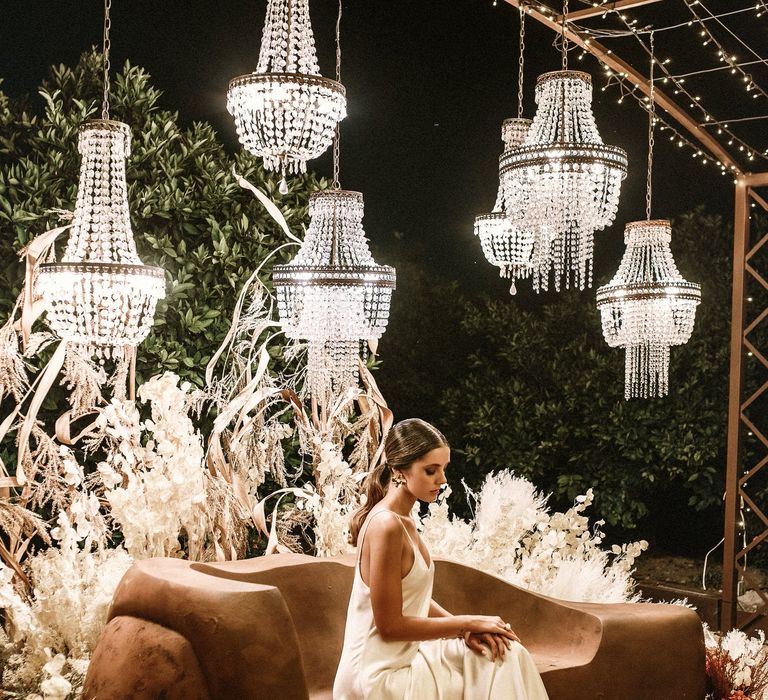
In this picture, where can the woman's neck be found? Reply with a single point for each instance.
(399, 500)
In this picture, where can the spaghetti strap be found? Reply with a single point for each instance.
(414, 548)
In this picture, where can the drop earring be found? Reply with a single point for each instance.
(397, 480)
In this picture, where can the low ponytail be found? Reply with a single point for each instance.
(376, 484)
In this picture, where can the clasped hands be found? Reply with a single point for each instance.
(490, 636)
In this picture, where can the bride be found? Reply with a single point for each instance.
(399, 643)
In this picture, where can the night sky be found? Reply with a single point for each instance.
(428, 86)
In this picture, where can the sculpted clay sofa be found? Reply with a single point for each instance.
(271, 628)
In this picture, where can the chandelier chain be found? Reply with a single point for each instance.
(521, 63)
(565, 36)
(564, 68)
(651, 124)
(337, 132)
(105, 57)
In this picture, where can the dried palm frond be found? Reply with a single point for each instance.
(294, 529)
(84, 379)
(227, 520)
(20, 522)
(46, 467)
(37, 342)
(13, 374)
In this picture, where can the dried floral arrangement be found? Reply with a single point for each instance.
(80, 508)
(737, 665)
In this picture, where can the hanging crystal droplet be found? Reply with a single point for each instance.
(283, 186)
(513, 287)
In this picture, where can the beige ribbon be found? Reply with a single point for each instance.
(47, 377)
(268, 204)
(63, 428)
(387, 417)
(35, 250)
(260, 518)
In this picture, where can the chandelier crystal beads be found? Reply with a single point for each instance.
(647, 307)
(507, 247)
(100, 296)
(563, 182)
(333, 294)
(286, 112)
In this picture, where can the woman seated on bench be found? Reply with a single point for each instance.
(399, 643)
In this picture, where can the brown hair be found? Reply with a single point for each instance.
(406, 442)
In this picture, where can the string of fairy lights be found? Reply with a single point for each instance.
(694, 100)
(700, 17)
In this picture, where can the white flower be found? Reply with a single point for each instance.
(514, 536)
(73, 472)
(55, 688)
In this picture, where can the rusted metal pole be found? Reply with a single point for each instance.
(728, 604)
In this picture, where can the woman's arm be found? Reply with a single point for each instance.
(384, 537)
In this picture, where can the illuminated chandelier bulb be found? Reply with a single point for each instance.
(286, 112)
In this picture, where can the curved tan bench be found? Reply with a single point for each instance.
(272, 628)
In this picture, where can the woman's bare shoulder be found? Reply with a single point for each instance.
(384, 526)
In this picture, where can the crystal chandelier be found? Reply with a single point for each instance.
(333, 294)
(100, 296)
(563, 183)
(504, 245)
(286, 112)
(648, 306)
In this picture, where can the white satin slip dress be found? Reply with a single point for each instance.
(440, 669)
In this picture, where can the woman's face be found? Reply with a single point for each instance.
(427, 474)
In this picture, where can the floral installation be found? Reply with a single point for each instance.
(514, 536)
(737, 665)
(332, 501)
(130, 487)
(151, 488)
(49, 636)
(158, 488)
